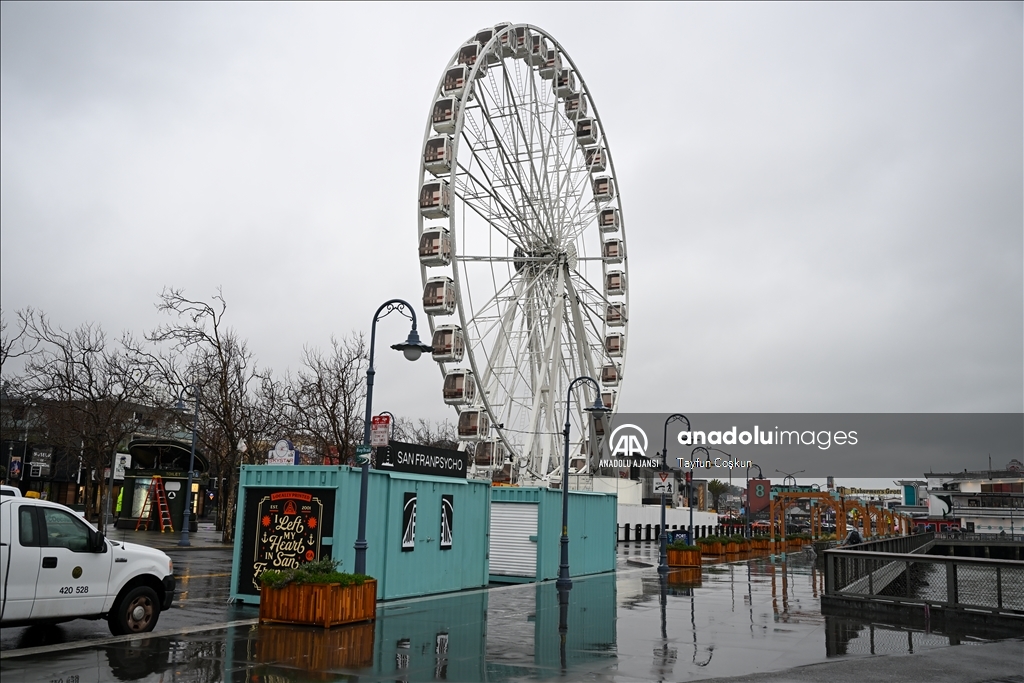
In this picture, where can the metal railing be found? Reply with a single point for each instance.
(895, 544)
(961, 583)
(979, 538)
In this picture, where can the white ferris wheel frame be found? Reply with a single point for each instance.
(535, 452)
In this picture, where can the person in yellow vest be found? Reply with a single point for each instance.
(117, 510)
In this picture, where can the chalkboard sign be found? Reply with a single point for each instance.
(282, 529)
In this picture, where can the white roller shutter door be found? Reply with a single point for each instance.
(512, 553)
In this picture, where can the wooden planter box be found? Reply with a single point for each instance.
(319, 604)
(732, 548)
(684, 558)
(713, 548)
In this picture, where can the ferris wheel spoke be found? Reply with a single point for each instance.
(594, 315)
(578, 330)
(484, 326)
(573, 214)
(587, 287)
(480, 142)
(518, 104)
(475, 189)
(510, 165)
(504, 259)
(553, 160)
(505, 218)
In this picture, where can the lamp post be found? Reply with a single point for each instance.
(663, 540)
(564, 582)
(412, 348)
(707, 452)
(785, 482)
(184, 542)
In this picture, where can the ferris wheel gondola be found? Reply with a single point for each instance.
(522, 251)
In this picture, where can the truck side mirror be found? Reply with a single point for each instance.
(97, 541)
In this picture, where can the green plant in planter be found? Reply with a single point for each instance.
(322, 571)
(681, 545)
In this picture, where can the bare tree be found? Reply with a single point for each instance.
(87, 394)
(326, 399)
(239, 403)
(20, 342)
(427, 433)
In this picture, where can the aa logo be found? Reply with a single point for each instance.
(628, 441)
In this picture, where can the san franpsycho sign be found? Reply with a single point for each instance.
(417, 459)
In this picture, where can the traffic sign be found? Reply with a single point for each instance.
(663, 483)
(363, 454)
(380, 426)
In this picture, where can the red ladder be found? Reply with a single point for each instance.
(157, 492)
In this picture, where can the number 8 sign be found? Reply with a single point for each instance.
(758, 494)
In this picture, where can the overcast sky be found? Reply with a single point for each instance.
(823, 202)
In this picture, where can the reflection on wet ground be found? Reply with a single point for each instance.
(726, 619)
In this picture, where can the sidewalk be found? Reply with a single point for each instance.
(206, 537)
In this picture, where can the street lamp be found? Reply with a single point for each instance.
(663, 557)
(184, 542)
(564, 582)
(785, 482)
(707, 452)
(412, 348)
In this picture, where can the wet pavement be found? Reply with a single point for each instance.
(755, 619)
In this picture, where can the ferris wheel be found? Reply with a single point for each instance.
(522, 253)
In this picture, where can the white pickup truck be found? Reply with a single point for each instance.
(56, 567)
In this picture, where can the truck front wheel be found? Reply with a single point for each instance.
(135, 612)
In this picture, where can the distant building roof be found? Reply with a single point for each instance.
(984, 474)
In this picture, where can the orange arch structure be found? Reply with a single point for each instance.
(873, 520)
(820, 501)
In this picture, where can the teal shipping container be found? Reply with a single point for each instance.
(526, 526)
(425, 534)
